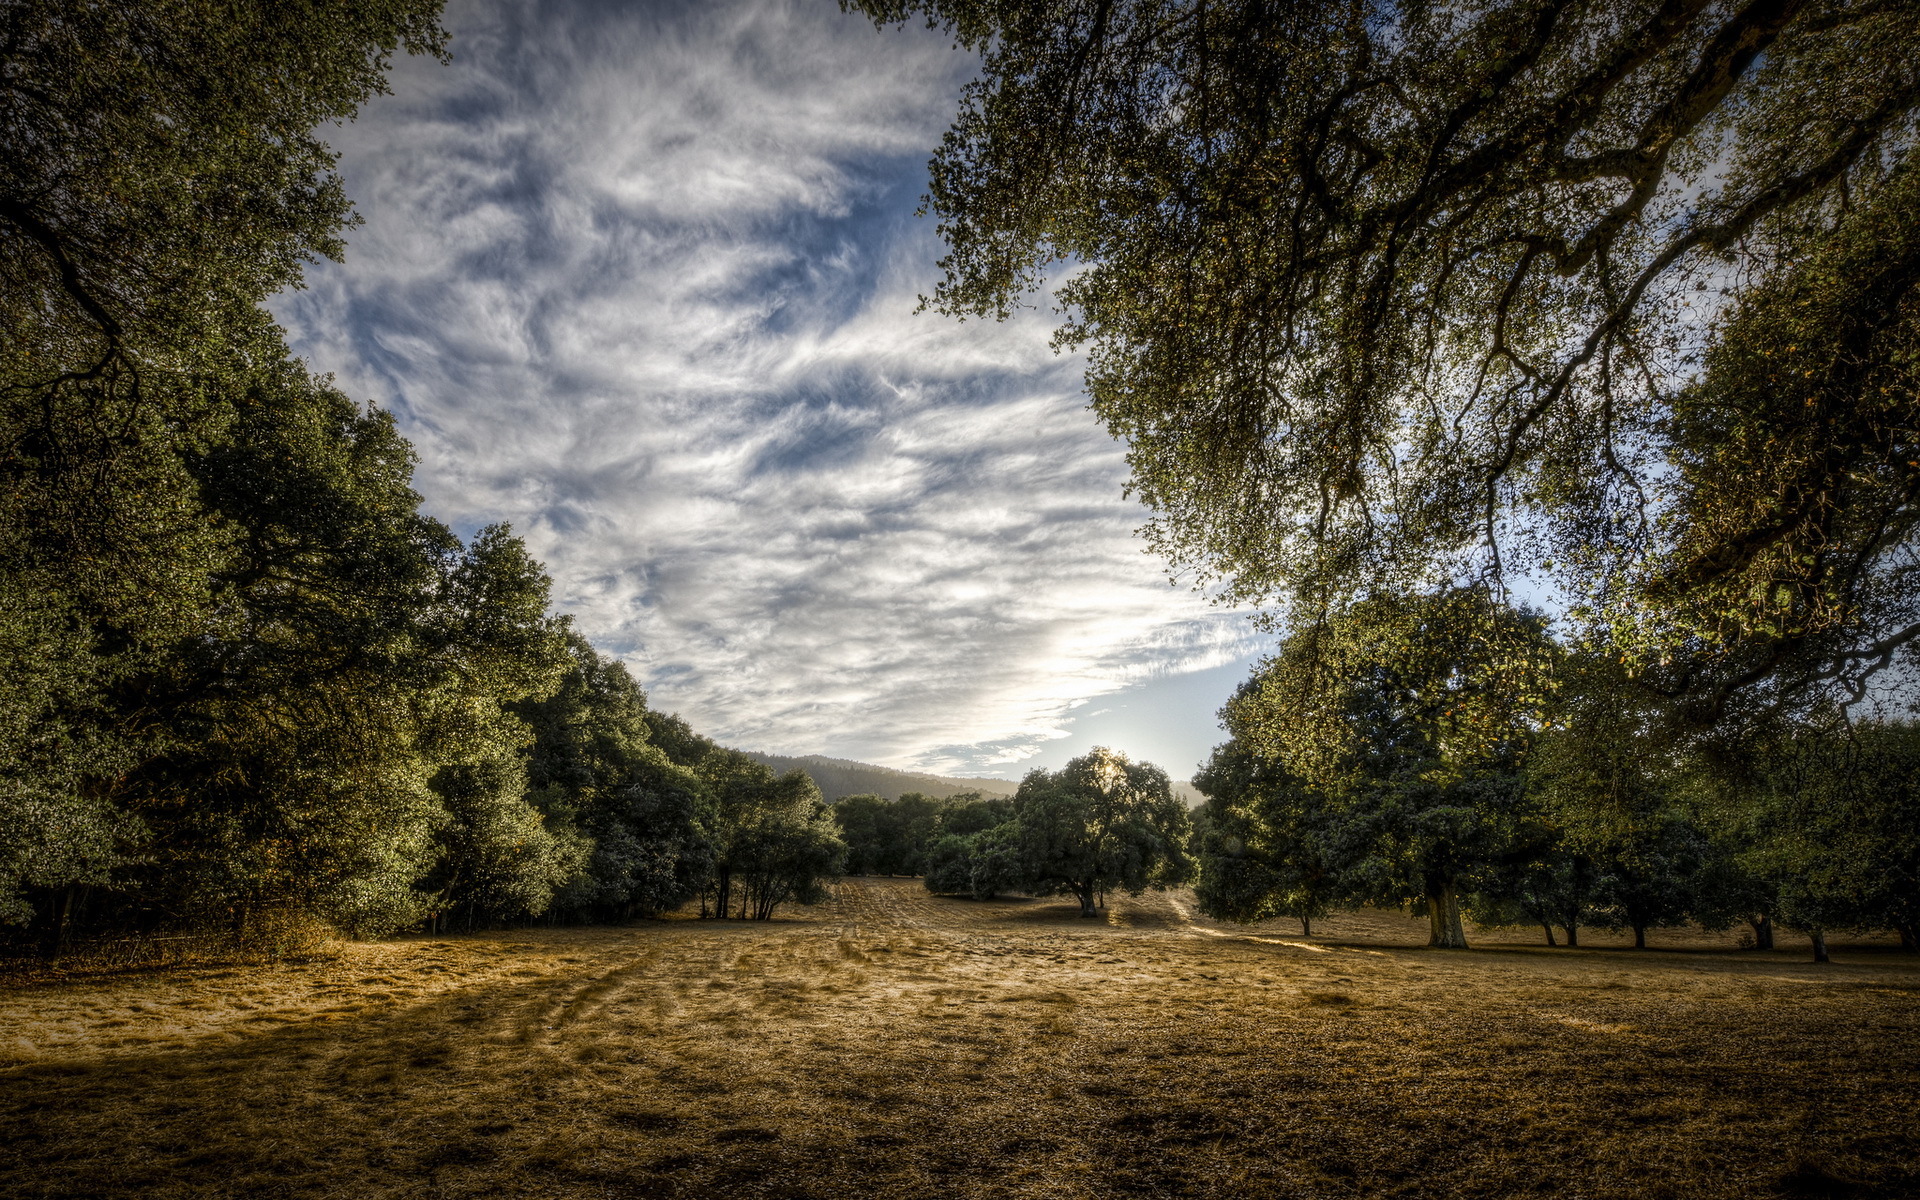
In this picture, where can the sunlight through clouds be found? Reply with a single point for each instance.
(642, 281)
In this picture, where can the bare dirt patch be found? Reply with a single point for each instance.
(891, 1043)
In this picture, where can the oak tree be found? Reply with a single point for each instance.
(1384, 297)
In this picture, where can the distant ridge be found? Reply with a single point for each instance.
(839, 777)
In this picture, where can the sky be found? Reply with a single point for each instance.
(641, 281)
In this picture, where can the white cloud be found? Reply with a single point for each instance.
(643, 286)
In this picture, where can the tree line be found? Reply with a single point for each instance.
(1100, 823)
(1403, 754)
(246, 683)
(1447, 755)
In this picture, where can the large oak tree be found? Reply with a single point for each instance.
(1387, 296)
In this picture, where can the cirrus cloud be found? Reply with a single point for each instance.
(642, 282)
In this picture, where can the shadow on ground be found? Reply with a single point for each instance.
(898, 1044)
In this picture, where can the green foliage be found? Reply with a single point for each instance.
(774, 840)
(594, 772)
(969, 813)
(888, 837)
(1835, 811)
(1384, 296)
(1396, 729)
(1262, 842)
(1556, 803)
(677, 740)
(1626, 848)
(159, 177)
(972, 850)
(1101, 822)
(244, 681)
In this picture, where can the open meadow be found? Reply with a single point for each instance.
(889, 1043)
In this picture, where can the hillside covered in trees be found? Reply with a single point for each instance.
(839, 777)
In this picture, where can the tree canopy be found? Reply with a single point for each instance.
(1386, 297)
(1381, 752)
(1101, 822)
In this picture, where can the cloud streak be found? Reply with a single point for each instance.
(642, 283)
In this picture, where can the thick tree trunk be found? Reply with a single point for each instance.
(1086, 902)
(1444, 929)
(1306, 926)
(1639, 937)
(1819, 937)
(1573, 935)
(1909, 941)
(1548, 926)
(1762, 932)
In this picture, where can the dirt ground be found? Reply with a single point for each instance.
(893, 1044)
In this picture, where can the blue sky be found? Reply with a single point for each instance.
(641, 281)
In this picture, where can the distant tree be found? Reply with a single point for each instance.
(981, 864)
(784, 857)
(774, 840)
(1101, 822)
(969, 852)
(862, 820)
(915, 823)
(1835, 809)
(1629, 847)
(969, 813)
(1539, 880)
(888, 837)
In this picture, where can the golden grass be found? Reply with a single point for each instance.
(893, 1044)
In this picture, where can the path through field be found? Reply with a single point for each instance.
(894, 1044)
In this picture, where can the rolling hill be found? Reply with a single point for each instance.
(839, 777)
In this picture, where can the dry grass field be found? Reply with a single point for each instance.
(892, 1044)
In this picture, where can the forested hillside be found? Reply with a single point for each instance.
(839, 777)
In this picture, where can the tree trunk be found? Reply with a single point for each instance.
(1086, 902)
(1908, 941)
(55, 943)
(1548, 926)
(1762, 931)
(1573, 935)
(1306, 925)
(1819, 937)
(1639, 937)
(1444, 929)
